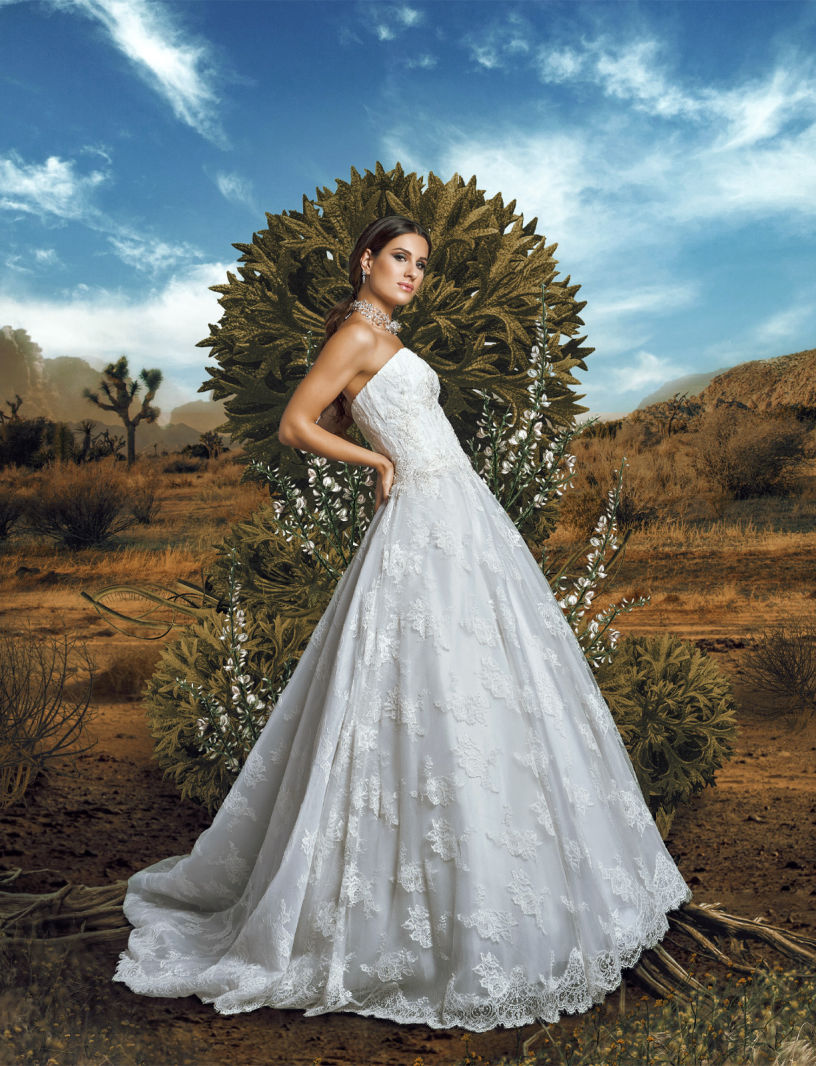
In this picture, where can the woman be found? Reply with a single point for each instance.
(439, 822)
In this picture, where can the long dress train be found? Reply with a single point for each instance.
(439, 822)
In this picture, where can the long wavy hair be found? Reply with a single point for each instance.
(375, 236)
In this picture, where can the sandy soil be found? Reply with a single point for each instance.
(749, 843)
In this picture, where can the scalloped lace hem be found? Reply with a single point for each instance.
(511, 1000)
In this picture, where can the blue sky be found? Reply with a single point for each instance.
(669, 148)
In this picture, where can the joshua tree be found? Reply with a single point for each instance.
(14, 406)
(213, 442)
(120, 390)
(87, 427)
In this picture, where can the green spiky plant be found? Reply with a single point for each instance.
(473, 319)
(675, 711)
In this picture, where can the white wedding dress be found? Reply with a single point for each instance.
(439, 823)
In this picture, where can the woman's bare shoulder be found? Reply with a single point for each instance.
(352, 337)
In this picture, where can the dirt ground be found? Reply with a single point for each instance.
(749, 843)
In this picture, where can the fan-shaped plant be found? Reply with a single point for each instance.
(473, 320)
(675, 712)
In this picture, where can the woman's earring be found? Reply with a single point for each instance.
(364, 276)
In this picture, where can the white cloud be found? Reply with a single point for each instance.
(385, 20)
(55, 189)
(637, 72)
(644, 370)
(173, 64)
(51, 188)
(500, 43)
(424, 62)
(149, 255)
(784, 325)
(645, 299)
(236, 189)
(158, 329)
(46, 256)
(650, 163)
(409, 16)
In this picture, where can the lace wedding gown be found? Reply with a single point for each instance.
(439, 823)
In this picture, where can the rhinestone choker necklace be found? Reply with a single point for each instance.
(375, 315)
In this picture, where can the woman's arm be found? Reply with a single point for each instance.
(342, 357)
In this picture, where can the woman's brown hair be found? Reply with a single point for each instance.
(375, 236)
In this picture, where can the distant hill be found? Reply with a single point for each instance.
(693, 384)
(202, 415)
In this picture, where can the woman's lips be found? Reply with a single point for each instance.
(409, 288)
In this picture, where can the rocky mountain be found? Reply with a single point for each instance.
(786, 381)
(23, 373)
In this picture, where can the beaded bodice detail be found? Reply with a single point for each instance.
(399, 414)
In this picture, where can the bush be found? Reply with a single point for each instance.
(183, 466)
(127, 674)
(34, 442)
(43, 707)
(12, 508)
(783, 664)
(580, 507)
(194, 675)
(675, 712)
(143, 504)
(748, 454)
(80, 506)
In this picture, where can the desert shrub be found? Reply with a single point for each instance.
(80, 506)
(12, 508)
(143, 502)
(675, 712)
(126, 675)
(45, 692)
(183, 466)
(766, 1019)
(33, 442)
(782, 663)
(580, 509)
(747, 454)
(55, 1010)
(195, 683)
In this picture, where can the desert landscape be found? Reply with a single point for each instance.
(720, 565)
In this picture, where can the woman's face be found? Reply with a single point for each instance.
(397, 271)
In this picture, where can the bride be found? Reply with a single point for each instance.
(439, 822)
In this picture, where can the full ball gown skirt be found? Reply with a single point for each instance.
(439, 822)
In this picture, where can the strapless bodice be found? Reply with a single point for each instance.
(399, 414)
